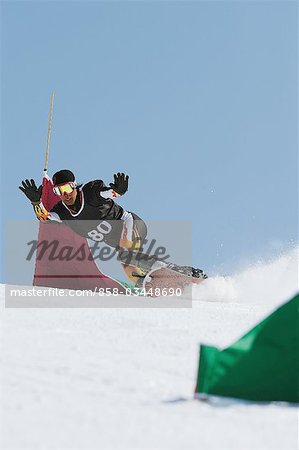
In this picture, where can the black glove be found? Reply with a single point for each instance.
(31, 191)
(120, 185)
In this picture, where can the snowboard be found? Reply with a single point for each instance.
(167, 282)
(160, 278)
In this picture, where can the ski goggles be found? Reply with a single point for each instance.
(66, 188)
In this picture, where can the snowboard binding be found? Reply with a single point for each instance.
(152, 273)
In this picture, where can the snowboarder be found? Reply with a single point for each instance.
(90, 210)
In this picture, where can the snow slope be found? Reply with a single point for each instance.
(104, 378)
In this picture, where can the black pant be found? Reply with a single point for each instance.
(139, 231)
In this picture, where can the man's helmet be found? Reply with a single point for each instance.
(62, 177)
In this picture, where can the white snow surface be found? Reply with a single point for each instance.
(123, 378)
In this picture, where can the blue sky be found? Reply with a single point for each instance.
(196, 101)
